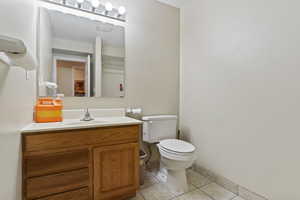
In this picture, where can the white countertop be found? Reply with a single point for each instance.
(70, 124)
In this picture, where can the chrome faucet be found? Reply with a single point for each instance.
(87, 116)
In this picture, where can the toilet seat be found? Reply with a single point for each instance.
(178, 146)
(173, 152)
(176, 150)
(176, 156)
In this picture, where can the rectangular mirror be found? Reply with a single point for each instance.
(83, 57)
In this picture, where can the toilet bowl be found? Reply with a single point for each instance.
(176, 157)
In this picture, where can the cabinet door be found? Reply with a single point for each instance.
(116, 171)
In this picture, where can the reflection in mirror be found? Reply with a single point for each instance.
(83, 57)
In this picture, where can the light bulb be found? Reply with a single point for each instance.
(108, 6)
(122, 10)
(80, 1)
(95, 3)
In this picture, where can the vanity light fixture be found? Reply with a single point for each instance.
(95, 3)
(122, 10)
(108, 8)
(95, 7)
(13, 52)
(79, 2)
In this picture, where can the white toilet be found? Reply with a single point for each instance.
(176, 155)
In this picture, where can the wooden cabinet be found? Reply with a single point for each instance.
(51, 163)
(56, 183)
(81, 194)
(115, 171)
(85, 164)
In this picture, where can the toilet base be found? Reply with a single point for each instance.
(176, 166)
(177, 181)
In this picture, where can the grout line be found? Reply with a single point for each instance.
(157, 181)
(185, 193)
(206, 184)
(179, 195)
(227, 189)
(208, 195)
(234, 197)
(198, 187)
(142, 196)
(213, 197)
(210, 181)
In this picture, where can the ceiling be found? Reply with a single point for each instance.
(66, 26)
(175, 3)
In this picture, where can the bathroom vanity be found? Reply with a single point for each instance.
(81, 161)
(75, 160)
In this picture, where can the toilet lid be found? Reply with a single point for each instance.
(177, 145)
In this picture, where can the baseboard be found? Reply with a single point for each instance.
(228, 184)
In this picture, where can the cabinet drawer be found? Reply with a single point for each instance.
(56, 162)
(81, 194)
(73, 138)
(47, 185)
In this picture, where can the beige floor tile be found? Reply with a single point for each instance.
(190, 189)
(137, 197)
(196, 179)
(238, 198)
(217, 192)
(161, 176)
(149, 179)
(157, 192)
(194, 195)
(227, 184)
(247, 194)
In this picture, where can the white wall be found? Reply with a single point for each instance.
(240, 99)
(152, 60)
(17, 95)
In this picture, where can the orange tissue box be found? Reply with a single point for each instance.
(48, 110)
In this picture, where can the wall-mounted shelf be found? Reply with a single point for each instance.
(5, 59)
(13, 52)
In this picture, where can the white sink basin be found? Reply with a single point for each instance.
(84, 122)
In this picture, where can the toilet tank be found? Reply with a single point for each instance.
(159, 127)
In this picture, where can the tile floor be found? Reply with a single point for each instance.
(200, 188)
